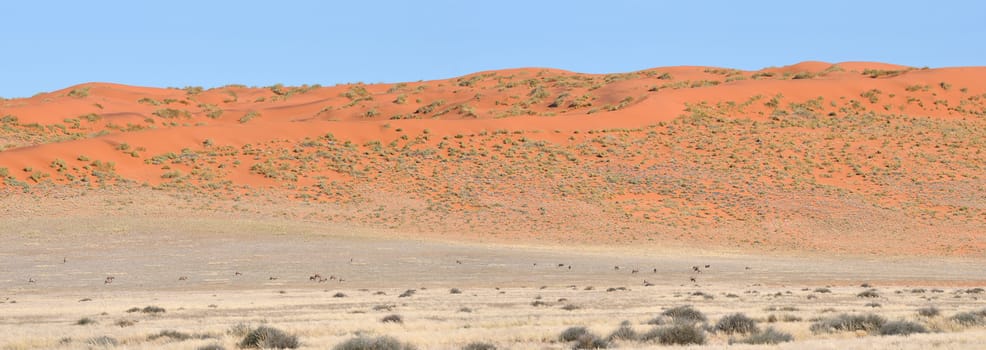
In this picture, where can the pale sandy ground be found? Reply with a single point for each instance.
(147, 255)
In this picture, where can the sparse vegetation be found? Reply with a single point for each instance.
(902, 328)
(265, 337)
(676, 334)
(736, 323)
(768, 336)
(848, 323)
(684, 314)
(374, 343)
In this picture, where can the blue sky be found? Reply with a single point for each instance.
(48, 45)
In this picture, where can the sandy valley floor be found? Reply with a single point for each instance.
(215, 276)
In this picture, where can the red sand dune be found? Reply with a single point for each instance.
(853, 157)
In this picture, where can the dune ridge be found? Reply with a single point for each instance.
(854, 157)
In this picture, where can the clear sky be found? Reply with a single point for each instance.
(47, 45)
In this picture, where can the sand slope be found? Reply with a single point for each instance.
(854, 157)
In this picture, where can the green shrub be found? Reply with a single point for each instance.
(264, 337)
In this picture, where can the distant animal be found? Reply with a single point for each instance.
(64, 260)
(30, 280)
(617, 267)
(183, 278)
(237, 273)
(535, 264)
(655, 270)
(634, 271)
(696, 269)
(692, 279)
(747, 267)
(708, 266)
(272, 278)
(332, 277)
(458, 262)
(109, 279)
(314, 277)
(561, 265)
(647, 284)
(569, 267)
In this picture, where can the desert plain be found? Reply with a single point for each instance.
(501, 209)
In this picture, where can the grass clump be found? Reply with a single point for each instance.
(211, 347)
(455, 291)
(768, 336)
(869, 293)
(375, 343)
(407, 293)
(902, 328)
(684, 314)
(677, 334)
(736, 323)
(265, 337)
(151, 309)
(849, 323)
(102, 341)
(249, 116)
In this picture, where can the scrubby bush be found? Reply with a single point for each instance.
(845, 322)
(969, 318)
(455, 291)
(684, 314)
(85, 321)
(375, 343)
(392, 319)
(407, 293)
(479, 346)
(573, 333)
(211, 347)
(929, 311)
(902, 328)
(171, 335)
(102, 341)
(678, 334)
(265, 337)
(768, 336)
(590, 341)
(736, 323)
(625, 332)
(151, 310)
(869, 293)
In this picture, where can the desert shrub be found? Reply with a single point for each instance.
(538, 303)
(383, 307)
(407, 293)
(902, 328)
(172, 335)
(625, 332)
(85, 321)
(124, 323)
(823, 290)
(479, 346)
(392, 319)
(339, 295)
(133, 309)
(768, 336)
(570, 307)
(265, 337)
(376, 343)
(845, 322)
(873, 305)
(677, 334)
(684, 314)
(102, 341)
(869, 293)
(736, 323)
(455, 291)
(465, 309)
(590, 341)
(573, 333)
(211, 347)
(151, 310)
(929, 311)
(968, 318)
